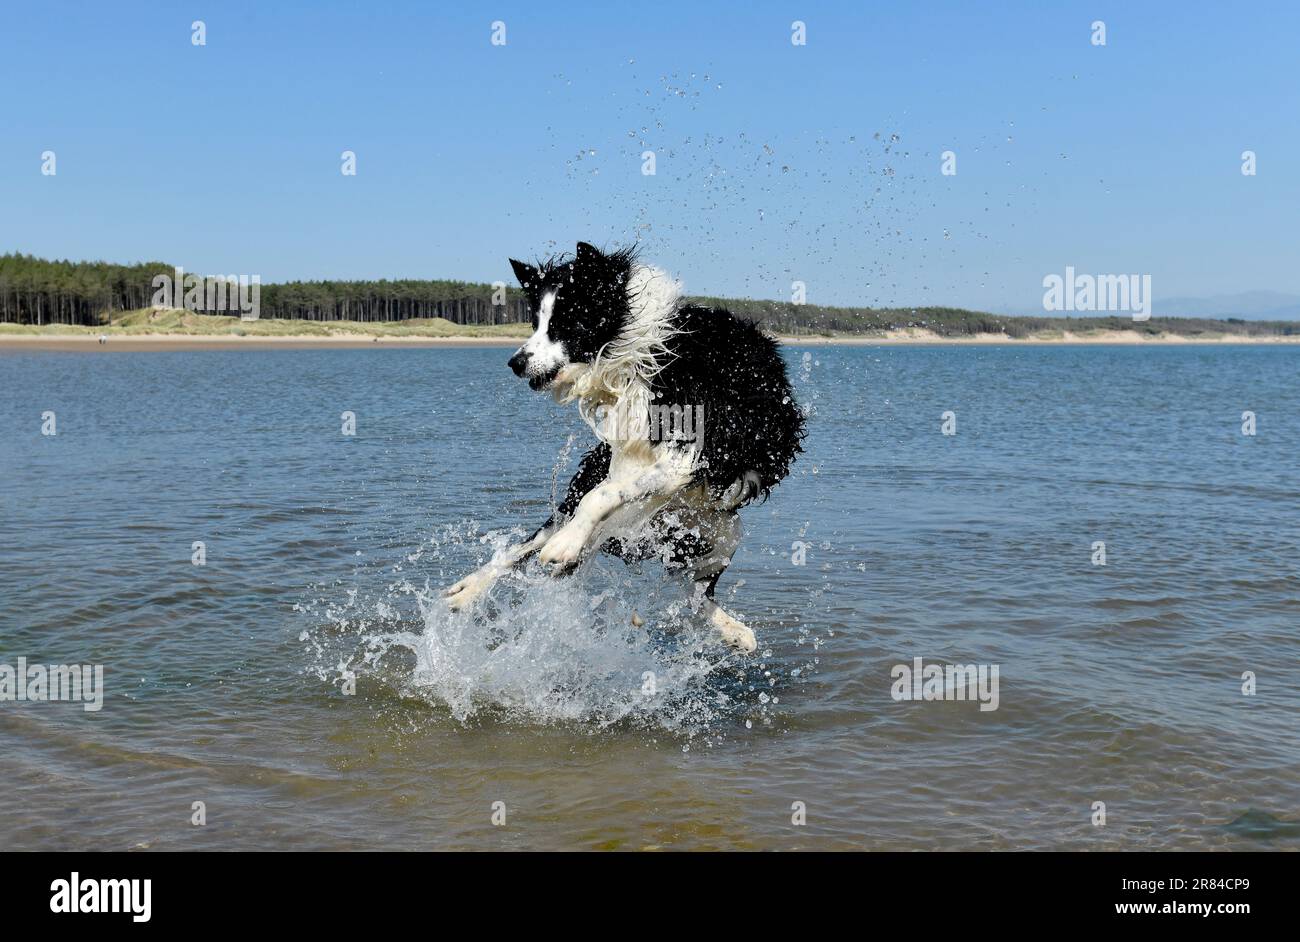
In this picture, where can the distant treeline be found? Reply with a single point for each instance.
(36, 291)
(460, 302)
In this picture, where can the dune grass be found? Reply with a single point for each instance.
(178, 323)
(184, 323)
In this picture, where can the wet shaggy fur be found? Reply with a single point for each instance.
(751, 421)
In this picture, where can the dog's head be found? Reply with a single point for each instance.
(578, 305)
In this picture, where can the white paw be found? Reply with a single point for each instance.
(563, 550)
(731, 631)
(462, 595)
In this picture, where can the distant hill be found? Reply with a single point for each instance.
(1248, 305)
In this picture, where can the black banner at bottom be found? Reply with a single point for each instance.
(336, 891)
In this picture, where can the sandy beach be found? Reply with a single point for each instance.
(67, 341)
(916, 336)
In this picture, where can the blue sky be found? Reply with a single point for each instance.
(774, 162)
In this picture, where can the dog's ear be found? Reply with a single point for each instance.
(588, 252)
(526, 274)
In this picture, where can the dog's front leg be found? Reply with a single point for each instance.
(656, 483)
(591, 471)
(463, 593)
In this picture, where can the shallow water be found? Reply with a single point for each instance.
(226, 683)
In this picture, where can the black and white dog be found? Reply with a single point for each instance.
(693, 410)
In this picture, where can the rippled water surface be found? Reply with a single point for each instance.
(227, 683)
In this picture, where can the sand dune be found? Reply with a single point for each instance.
(88, 340)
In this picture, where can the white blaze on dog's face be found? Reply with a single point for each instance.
(578, 305)
(544, 357)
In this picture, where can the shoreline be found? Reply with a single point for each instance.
(89, 341)
(159, 342)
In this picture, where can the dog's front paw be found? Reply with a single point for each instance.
(462, 595)
(563, 551)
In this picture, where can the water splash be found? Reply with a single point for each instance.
(537, 650)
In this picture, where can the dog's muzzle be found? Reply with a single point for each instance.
(519, 364)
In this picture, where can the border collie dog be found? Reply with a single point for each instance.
(694, 414)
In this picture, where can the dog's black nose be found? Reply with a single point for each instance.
(518, 362)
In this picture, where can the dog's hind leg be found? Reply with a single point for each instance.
(733, 632)
(722, 534)
(591, 471)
